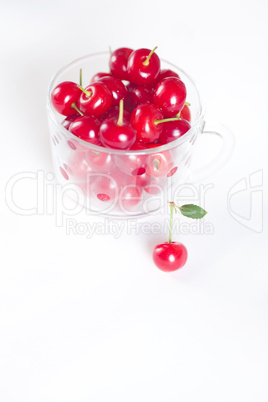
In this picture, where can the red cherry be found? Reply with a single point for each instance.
(185, 113)
(140, 94)
(144, 119)
(68, 120)
(116, 87)
(117, 136)
(130, 196)
(64, 98)
(95, 99)
(105, 188)
(143, 66)
(170, 96)
(117, 133)
(160, 164)
(118, 63)
(99, 75)
(173, 130)
(170, 256)
(86, 128)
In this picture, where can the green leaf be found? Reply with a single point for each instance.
(192, 211)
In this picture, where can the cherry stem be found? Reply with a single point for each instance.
(146, 62)
(164, 120)
(87, 93)
(110, 50)
(187, 104)
(172, 207)
(121, 113)
(80, 77)
(73, 105)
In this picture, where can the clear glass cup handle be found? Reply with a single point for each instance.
(228, 143)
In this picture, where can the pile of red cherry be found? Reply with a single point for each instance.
(148, 111)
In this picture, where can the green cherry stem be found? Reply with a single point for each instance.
(187, 104)
(172, 207)
(87, 93)
(73, 105)
(164, 120)
(146, 62)
(121, 113)
(80, 77)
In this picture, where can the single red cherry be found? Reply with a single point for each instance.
(64, 98)
(86, 128)
(143, 66)
(116, 87)
(173, 130)
(170, 96)
(186, 113)
(105, 188)
(117, 133)
(118, 62)
(68, 120)
(95, 99)
(144, 118)
(99, 75)
(130, 197)
(170, 256)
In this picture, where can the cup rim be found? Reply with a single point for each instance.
(97, 148)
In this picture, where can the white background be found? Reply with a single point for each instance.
(93, 319)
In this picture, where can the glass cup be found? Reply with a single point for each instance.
(119, 183)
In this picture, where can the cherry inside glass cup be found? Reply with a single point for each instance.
(121, 183)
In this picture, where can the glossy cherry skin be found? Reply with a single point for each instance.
(140, 94)
(99, 75)
(139, 73)
(170, 96)
(118, 62)
(64, 96)
(116, 87)
(169, 257)
(143, 118)
(86, 128)
(68, 120)
(186, 113)
(173, 130)
(98, 102)
(117, 136)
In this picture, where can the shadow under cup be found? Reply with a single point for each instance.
(113, 182)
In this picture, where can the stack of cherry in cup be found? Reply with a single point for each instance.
(136, 106)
